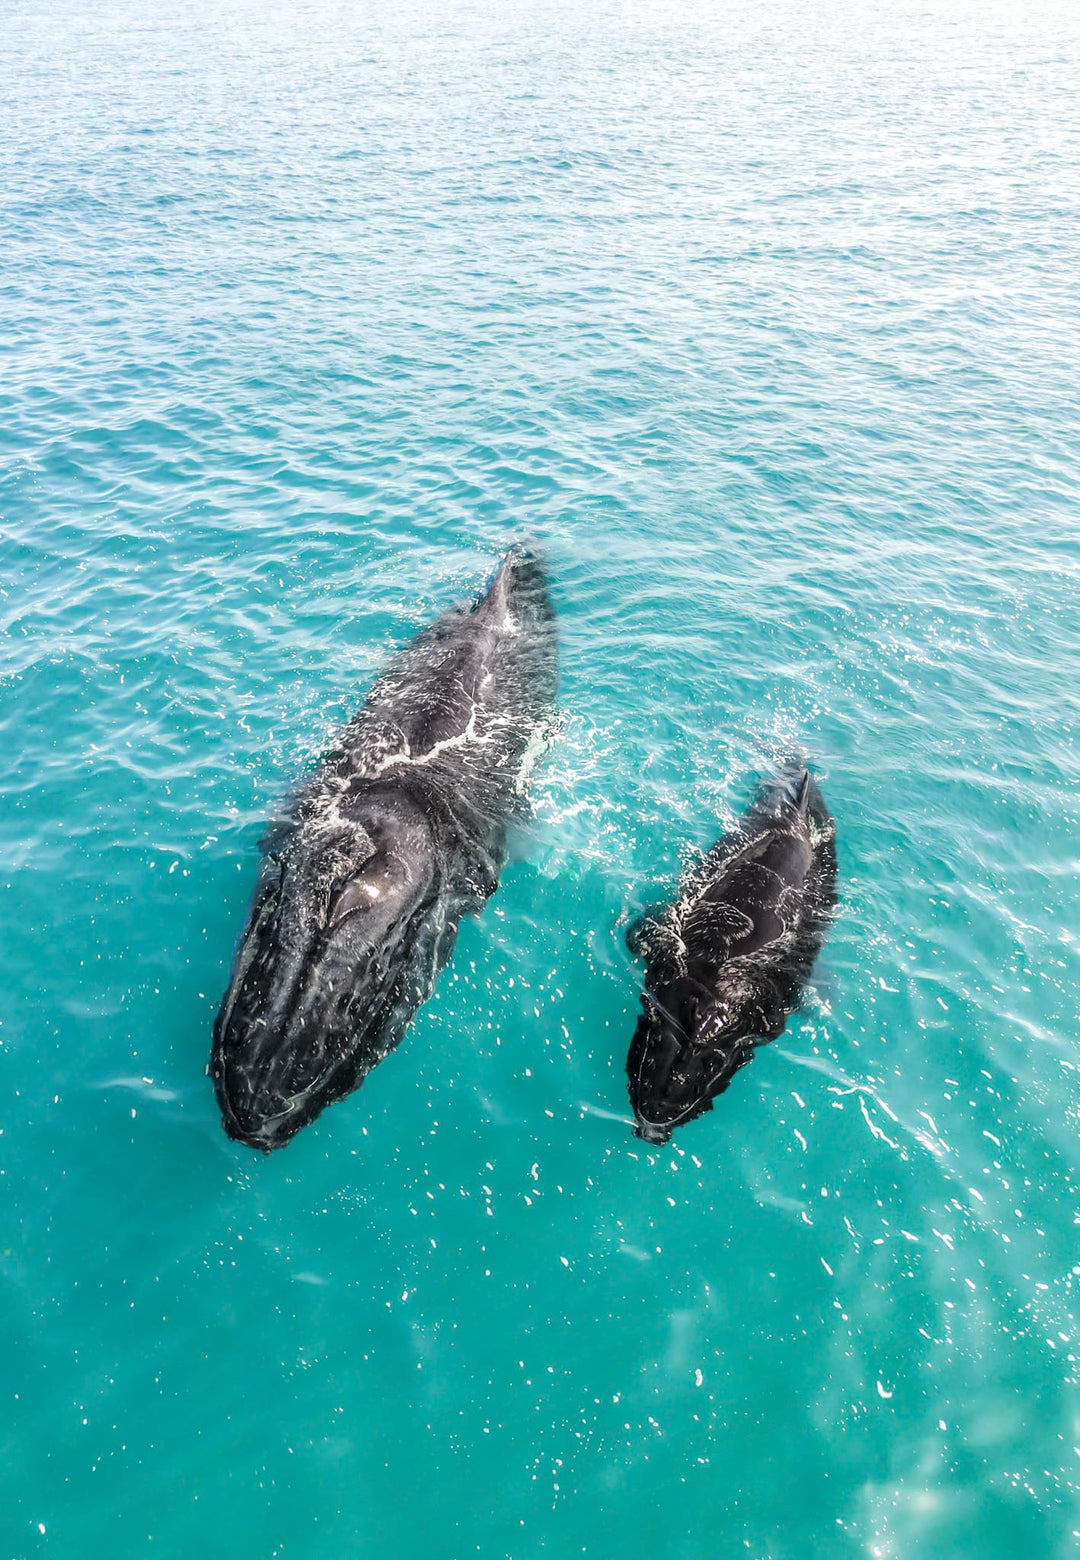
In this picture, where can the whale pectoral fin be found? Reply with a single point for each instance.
(276, 833)
(522, 837)
(743, 1054)
(646, 933)
(636, 936)
(776, 1002)
(482, 882)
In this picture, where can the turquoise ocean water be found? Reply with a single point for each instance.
(764, 320)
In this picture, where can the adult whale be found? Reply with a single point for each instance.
(400, 831)
(727, 960)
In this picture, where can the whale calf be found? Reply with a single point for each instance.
(364, 880)
(727, 961)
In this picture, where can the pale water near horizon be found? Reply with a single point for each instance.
(763, 321)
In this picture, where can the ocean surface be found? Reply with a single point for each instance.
(764, 320)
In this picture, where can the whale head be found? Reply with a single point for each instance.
(688, 1045)
(315, 995)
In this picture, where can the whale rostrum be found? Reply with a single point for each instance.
(364, 879)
